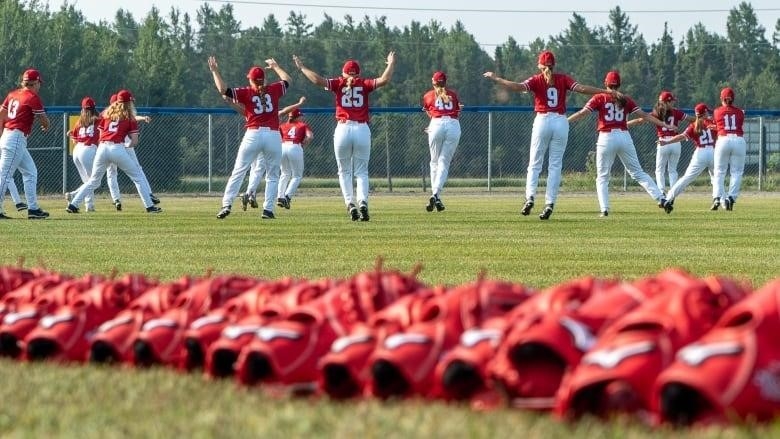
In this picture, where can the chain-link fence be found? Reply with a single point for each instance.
(185, 150)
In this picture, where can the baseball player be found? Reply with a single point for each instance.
(352, 136)
(614, 140)
(115, 124)
(730, 149)
(443, 107)
(85, 134)
(551, 128)
(13, 191)
(18, 112)
(262, 137)
(667, 154)
(296, 134)
(703, 133)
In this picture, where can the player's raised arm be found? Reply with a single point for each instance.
(310, 74)
(214, 68)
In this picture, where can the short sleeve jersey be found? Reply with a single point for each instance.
(351, 102)
(729, 119)
(22, 105)
(294, 132)
(675, 117)
(611, 115)
(436, 107)
(706, 137)
(87, 135)
(115, 131)
(261, 109)
(550, 98)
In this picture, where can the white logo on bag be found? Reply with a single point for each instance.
(768, 382)
(472, 337)
(14, 317)
(608, 358)
(235, 331)
(397, 340)
(268, 334)
(158, 323)
(344, 342)
(207, 320)
(583, 338)
(696, 354)
(111, 324)
(49, 321)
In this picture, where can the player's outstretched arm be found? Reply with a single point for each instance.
(389, 69)
(578, 115)
(511, 85)
(283, 75)
(214, 68)
(678, 138)
(292, 107)
(310, 74)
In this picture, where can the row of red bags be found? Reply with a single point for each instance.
(669, 348)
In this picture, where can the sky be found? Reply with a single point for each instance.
(491, 25)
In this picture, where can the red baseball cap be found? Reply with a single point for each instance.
(701, 109)
(256, 73)
(666, 96)
(727, 92)
(87, 102)
(612, 78)
(112, 99)
(439, 77)
(124, 96)
(351, 67)
(32, 75)
(546, 58)
(294, 113)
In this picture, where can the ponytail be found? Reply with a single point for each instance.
(548, 75)
(660, 111)
(698, 124)
(350, 80)
(441, 93)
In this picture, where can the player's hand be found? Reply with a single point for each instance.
(391, 57)
(302, 100)
(147, 119)
(298, 62)
(213, 64)
(489, 75)
(271, 63)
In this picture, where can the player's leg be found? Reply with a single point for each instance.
(248, 151)
(721, 163)
(630, 160)
(13, 191)
(271, 149)
(144, 180)
(342, 149)
(558, 141)
(541, 134)
(112, 176)
(695, 167)
(361, 156)
(125, 161)
(285, 176)
(674, 150)
(605, 157)
(737, 167)
(448, 148)
(661, 161)
(295, 158)
(99, 168)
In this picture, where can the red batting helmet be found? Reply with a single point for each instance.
(727, 93)
(124, 96)
(87, 102)
(612, 78)
(32, 75)
(701, 109)
(351, 67)
(666, 96)
(546, 58)
(256, 74)
(440, 77)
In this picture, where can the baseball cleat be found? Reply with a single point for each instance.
(353, 212)
(729, 202)
(669, 206)
(21, 206)
(267, 214)
(155, 200)
(283, 202)
(662, 202)
(529, 204)
(253, 201)
(547, 212)
(431, 204)
(4, 216)
(439, 205)
(244, 201)
(72, 209)
(363, 211)
(224, 212)
(153, 209)
(90, 208)
(118, 205)
(604, 214)
(37, 214)
(715, 204)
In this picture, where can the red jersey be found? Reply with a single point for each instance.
(674, 117)
(260, 109)
(351, 102)
(87, 135)
(22, 105)
(550, 98)
(706, 137)
(115, 131)
(294, 132)
(436, 107)
(729, 119)
(611, 115)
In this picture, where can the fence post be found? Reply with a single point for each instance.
(490, 151)
(210, 153)
(65, 153)
(387, 155)
(761, 151)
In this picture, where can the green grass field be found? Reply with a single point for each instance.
(478, 232)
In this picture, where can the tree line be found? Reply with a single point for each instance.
(162, 58)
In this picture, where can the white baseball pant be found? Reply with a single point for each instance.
(14, 155)
(261, 142)
(443, 139)
(730, 151)
(13, 191)
(256, 174)
(702, 158)
(83, 158)
(667, 157)
(118, 154)
(352, 148)
(618, 143)
(291, 169)
(550, 133)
